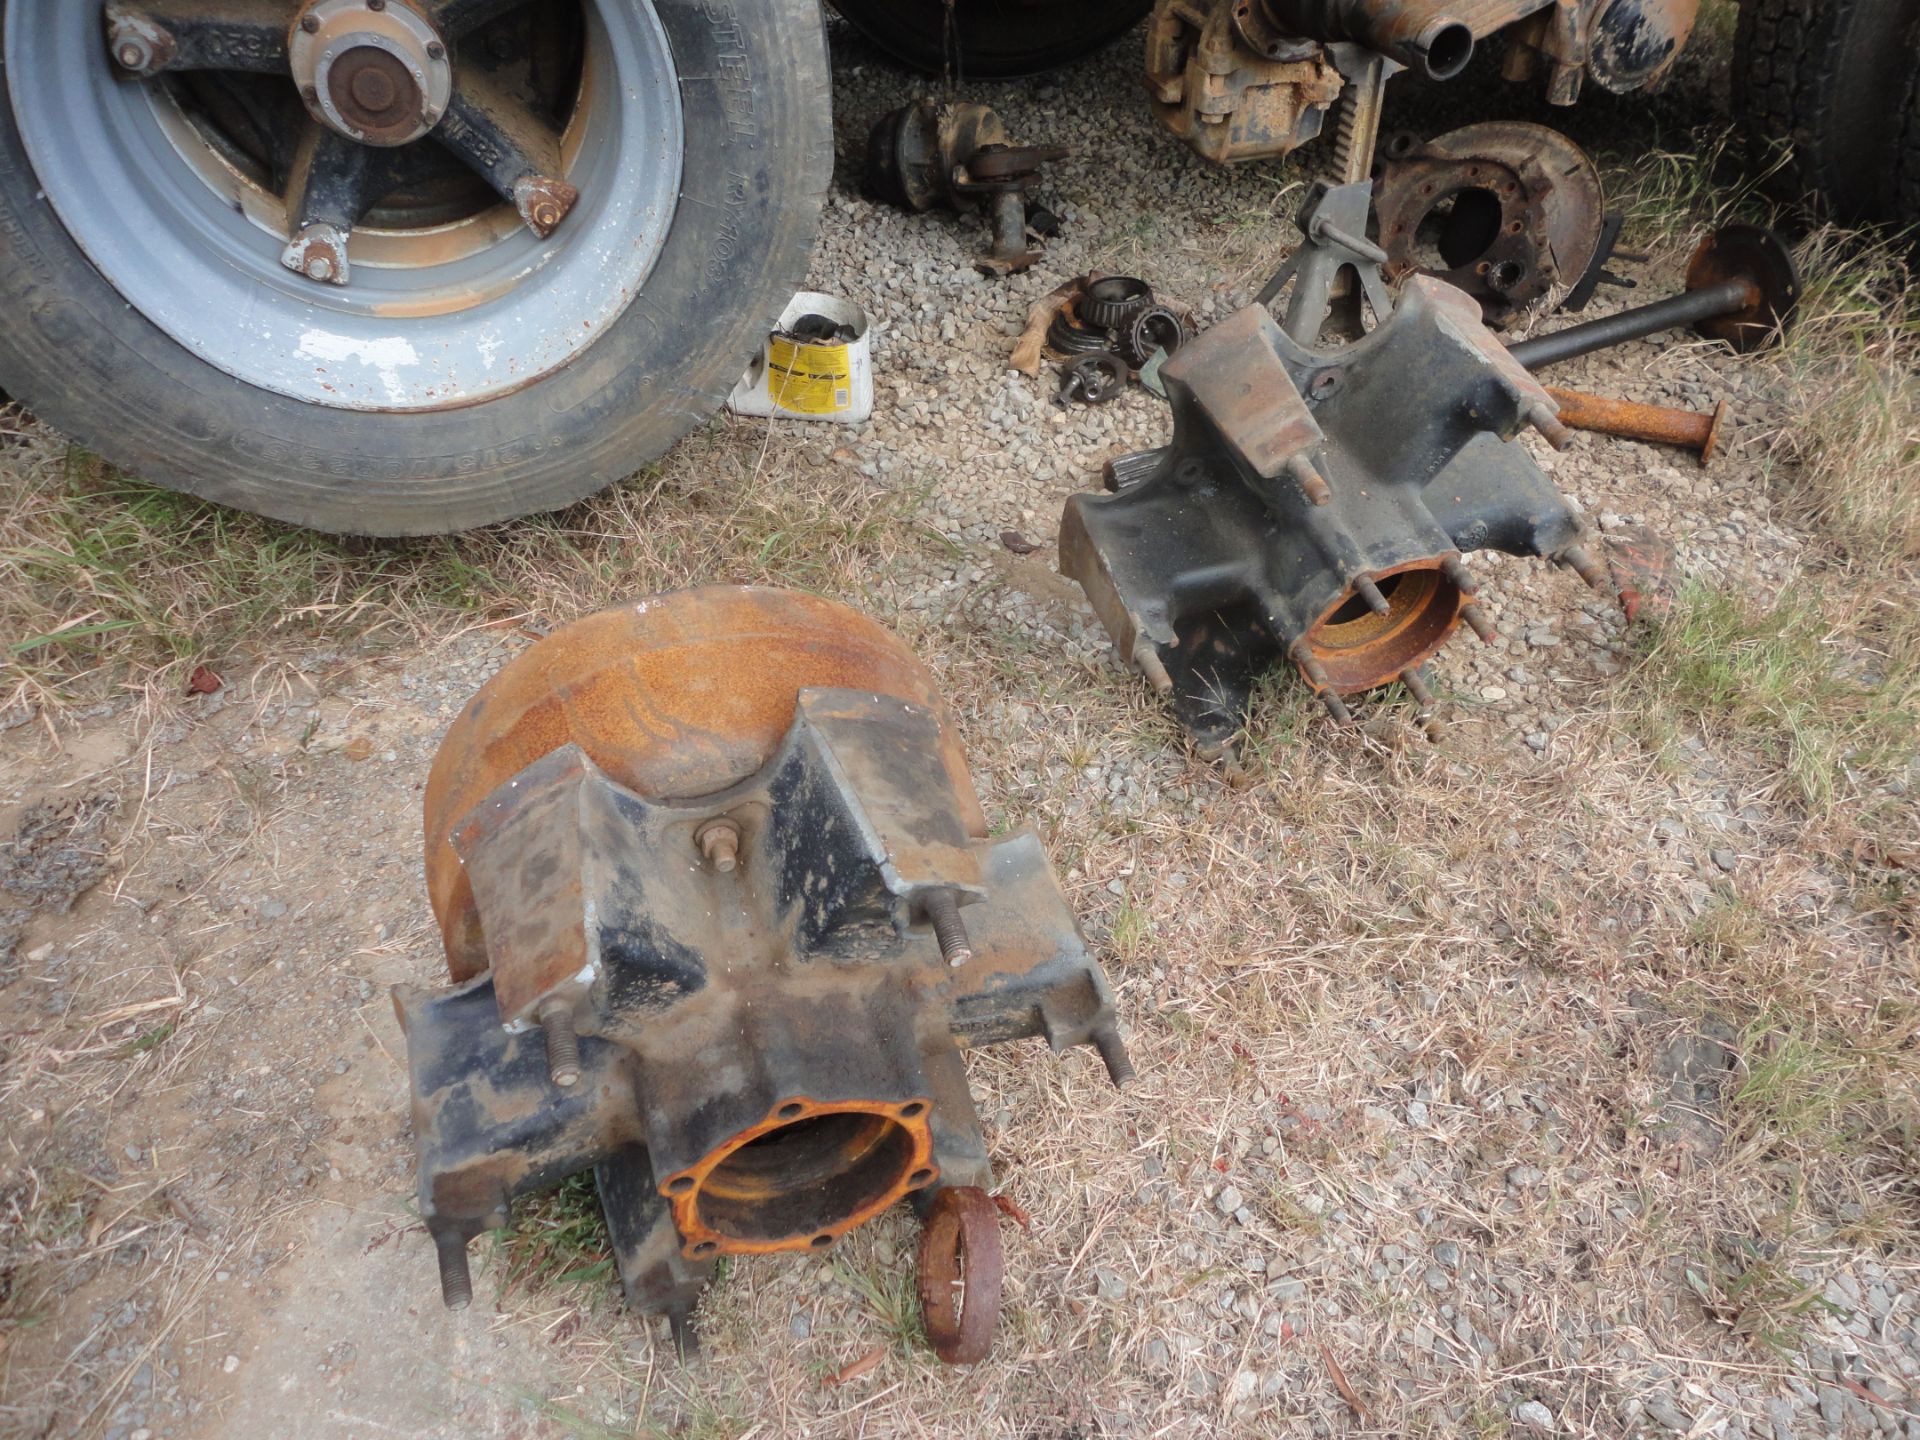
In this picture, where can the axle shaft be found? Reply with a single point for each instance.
(1729, 297)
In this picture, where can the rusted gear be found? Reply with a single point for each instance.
(1504, 210)
(1111, 304)
(1154, 328)
(722, 910)
(962, 1267)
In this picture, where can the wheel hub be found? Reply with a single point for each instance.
(375, 71)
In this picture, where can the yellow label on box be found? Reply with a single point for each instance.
(809, 379)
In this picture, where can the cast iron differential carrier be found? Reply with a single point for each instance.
(961, 156)
(721, 915)
(1315, 504)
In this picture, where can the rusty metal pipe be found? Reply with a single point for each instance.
(1420, 34)
(1727, 298)
(1656, 424)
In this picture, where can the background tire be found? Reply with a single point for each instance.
(1825, 76)
(757, 110)
(991, 38)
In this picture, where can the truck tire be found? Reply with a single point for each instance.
(990, 38)
(1823, 77)
(1906, 165)
(470, 369)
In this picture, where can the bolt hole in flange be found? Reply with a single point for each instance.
(1458, 230)
(1360, 649)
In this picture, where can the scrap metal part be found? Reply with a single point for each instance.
(721, 914)
(1504, 210)
(927, 154)
(1250, 79)
(1316, 504)
(1743, 288)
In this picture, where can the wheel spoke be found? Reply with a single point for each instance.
(334, 183)
(516, 151)
(455, 18)
(148, 37)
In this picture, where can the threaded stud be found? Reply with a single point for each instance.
(943, 913)
(563, 1046)
(456, 1281)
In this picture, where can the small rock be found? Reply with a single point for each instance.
(1112, 1287)
(801, 1326)
(1229, 1200)
(1436, 1278)
(1726, 860)
(1156, 1354)
(1833, 1406)
(1534, 1416)
(230, 1364)
(1667, 1414)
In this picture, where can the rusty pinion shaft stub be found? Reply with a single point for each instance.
(719, 898)
(1316, 505)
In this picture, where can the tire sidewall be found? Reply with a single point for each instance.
(757, 115)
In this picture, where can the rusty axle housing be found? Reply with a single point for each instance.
(707, 838)
(1315, 505)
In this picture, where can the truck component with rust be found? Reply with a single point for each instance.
(403, 267)
(1827, 89)
(1317, 502)
(722, 916)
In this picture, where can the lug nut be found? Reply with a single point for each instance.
(563, 1046)
(310, 24)
(719, 842)
(943, 913)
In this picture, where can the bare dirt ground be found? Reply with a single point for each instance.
(1557, 1078)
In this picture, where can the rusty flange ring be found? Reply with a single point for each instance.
(1509, 208)
(961, 1269)
(1757, 255)
(1359, 649)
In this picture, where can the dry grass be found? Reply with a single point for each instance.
(1400, 997)
(1852, 457)
(106, 581)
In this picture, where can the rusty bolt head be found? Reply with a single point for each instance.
(376, 4)
(140, 46)
(719, 842)
(310, 23)
(544, 202)
(436, 51)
